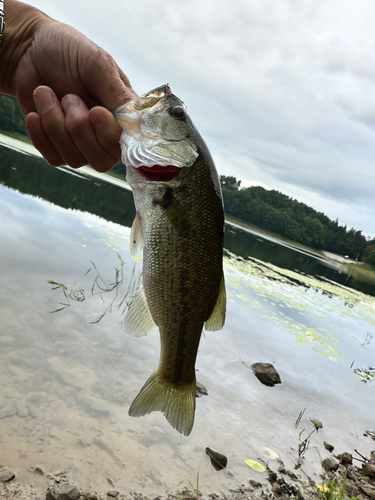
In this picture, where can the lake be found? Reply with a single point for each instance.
(67, 378)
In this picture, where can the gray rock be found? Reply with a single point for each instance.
(63, 492)
(200, 390)
(345, 458)
(22, 410)
(288, 472)
(368, 491)
(37, 470)
(218, 460)
(255, 484)
(328, 446)
(90, 495)
(266, 373)
(330, 464)
(351, 489)
(6, 475)
(276, 489)
(317, 423)
(7, 411)
(368, 470)
(113, 494)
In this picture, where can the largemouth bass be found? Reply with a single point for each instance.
(179, 223)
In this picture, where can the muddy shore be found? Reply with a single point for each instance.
(338, 472)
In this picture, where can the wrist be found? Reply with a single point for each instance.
(22, 22)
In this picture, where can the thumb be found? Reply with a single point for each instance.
(106, 82)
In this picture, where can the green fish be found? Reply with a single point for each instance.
(180, 226)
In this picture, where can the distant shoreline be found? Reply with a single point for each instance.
(349, 266)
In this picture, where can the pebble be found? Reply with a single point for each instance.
(345, 458)
(368, 470)
(22, 410)
(266, 373)
(317, 423)
(63, 492)
(218, 460)
(330, 464)
(328, 446)
(255, 484)
(90, 495)
(37, 470)
(113, 493)
(6, 475)
(7, 411)
(200, 390)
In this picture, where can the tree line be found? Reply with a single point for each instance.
(11, 117)
(276, 212)
(266, 209)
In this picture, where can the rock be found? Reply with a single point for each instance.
(368, 470)
(372, 457)
(351, 489)
(63, 492)
(7, 411)
(90, 495)
(113, 494)
(276, 489)
(328, 446)
(266, 373)
(37, 470)
(6, 475)
(317, 423)
(22, 410)
(345, 458)
(218, 460)
(255, 484)
(289, 473)
(200, 390)
(368, 491)
(330, 464)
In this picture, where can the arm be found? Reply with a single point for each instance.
(66, 86)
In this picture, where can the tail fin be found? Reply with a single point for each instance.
(176, 402)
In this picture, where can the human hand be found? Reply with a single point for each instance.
(66, 86)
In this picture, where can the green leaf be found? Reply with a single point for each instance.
(255, 465)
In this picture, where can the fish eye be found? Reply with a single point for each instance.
(177, 112)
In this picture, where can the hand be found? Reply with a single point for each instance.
(66, 86)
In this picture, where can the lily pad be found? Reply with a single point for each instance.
(255, 465)
(268, 453)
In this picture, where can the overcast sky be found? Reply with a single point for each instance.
(283, 91)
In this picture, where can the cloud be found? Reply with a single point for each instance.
(286, 86)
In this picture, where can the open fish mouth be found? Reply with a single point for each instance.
(156, 138)
(159, 173)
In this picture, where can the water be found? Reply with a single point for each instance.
(66, 381)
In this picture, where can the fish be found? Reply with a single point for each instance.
(179, 224)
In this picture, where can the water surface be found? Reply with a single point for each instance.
(66, 382)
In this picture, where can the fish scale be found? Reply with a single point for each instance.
(180, 225)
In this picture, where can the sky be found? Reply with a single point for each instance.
(282, 91)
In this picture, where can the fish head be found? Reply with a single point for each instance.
(158, 135)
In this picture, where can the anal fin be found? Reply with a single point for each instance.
(217, 319)
(138, 321)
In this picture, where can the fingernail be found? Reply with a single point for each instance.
(70, 102)
(44, 99)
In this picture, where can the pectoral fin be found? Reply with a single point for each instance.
(136, 235)
(138, 321)
(217, 319)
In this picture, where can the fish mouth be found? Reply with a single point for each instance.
(159, 173)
